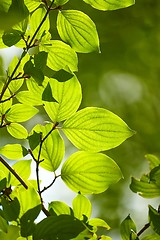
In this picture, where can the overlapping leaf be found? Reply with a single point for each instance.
(52, 150)
(13, 151)
(81, 206)
(90, 172)
(128, 229)
(96, 129)
(60, 55)
(32, 5)
(58, 208)
(109, 4)
(68, 95)
(20, 113)
(77, 29)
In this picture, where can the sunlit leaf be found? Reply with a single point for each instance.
(81, 206)
(4, 106)
(151, 237)
(29, 98)
(17, 131)
(144, 187)
(13, 151)
(78, 30)
(155, 175)
(109, 4)
(153, 161)
(23, 169)
(12, 233)
(68, 95)
(58, 227)
(20, 113)
(154, 219)
(128, 229)
(32, 5)
(60, 2)
(3, 225)
(52, 150)
(60, 55)
(58, 208)
(96, 129)
(90, 172)
(25, 198)
(35, 20)
(97, 222)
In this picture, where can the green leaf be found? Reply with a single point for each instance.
(20, 113)
(3, 225)
(58, 227)
(96, 129)
(33, 71)
(11, 209)
(12, 233)
(3, 182)
(128, 229)
(23, 169)
(90, 173)
(29, 98)
(109, 4)
(60, 55)
(25, 198)
(59, 208)
(27, 221)
(154, 219)
(81, 206)
(32, 5)
(52, 150)
(152, 237)
(47, 94)
(144, 187)
(40, 60)
(5, 105)
(153, 161)
(35, 20)
(68, 95)
(12, 12)
(60, 2)
(97, 222)
(11, 37)
(62, 75)
(78, 30)
(34, 140)
(155, 175)
(17, 131)
(13, 151)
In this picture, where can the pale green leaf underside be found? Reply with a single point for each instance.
(52, 151)
(60, 56)
(96, 129)
(78, 30)
(81, 206)
(20, 113)
(110, 4)
(17, 131)
(68, 95)
(90, 173)
(12, 151)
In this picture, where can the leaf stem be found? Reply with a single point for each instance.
(146, 226)
(13, 172)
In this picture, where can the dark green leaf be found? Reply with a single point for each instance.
(62, 75)
(34, 140)
(63, 227)
(27, 221)
(154, 219)
(33, 71)
(11, 37)
(40, 60)
(155, 175)
(152, 237)
(47, 94)
(11, 209)
(128, 229)
(3, 183)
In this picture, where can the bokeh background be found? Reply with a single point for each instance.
(125, 79)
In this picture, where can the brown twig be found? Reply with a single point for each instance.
(13, 172)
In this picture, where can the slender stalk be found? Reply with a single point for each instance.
(13, 172)
(146, 226)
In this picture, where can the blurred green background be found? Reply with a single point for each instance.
(124, 78)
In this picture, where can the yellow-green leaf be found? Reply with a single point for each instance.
(13, 151)
(77, 29)
(90, 173)
(81, 206)
(17, 131)
(96, 129)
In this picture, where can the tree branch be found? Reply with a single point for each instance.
(13, 172)
(146, 226)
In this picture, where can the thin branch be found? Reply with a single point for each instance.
(7, 99)
(50, 185)
(146, 226)
(13, 172)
